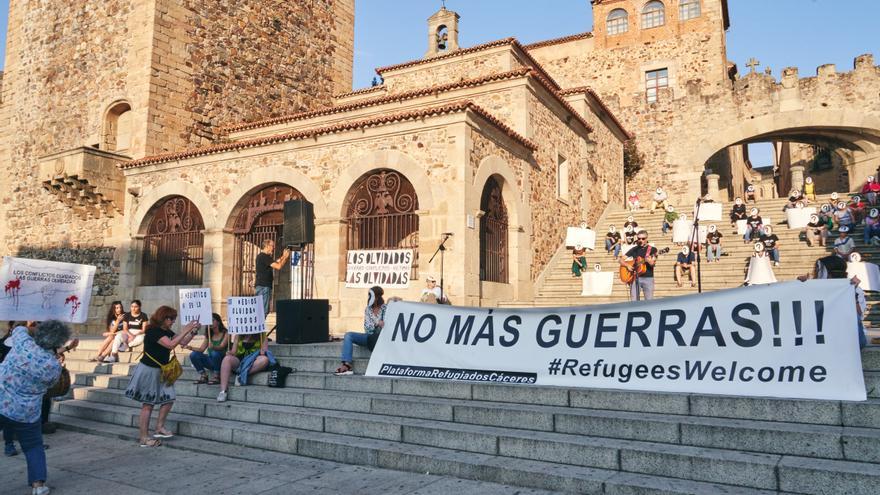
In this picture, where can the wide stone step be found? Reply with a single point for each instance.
(532, 474)
(764, 471)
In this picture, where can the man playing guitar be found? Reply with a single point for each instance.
(642, 255)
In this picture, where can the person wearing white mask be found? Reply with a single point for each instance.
(685, 263)
(738, 212)
(816, 230)
(612, 241)
(771, 244)
(713, 244)
(659, 199)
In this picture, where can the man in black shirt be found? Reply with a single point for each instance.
(713, 244)
(771, 244)
(612, 241)
(648, 255)
(264, 266)
(738, 212)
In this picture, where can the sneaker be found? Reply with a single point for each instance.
(9, 450)
(41, 490)
(110, 359)
(221, 397)
(775, 263)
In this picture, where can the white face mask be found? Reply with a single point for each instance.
(738, 201)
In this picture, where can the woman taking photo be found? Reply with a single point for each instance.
(30, 368)
(374, 320)
(146, 385)
(113, 323)
(216, 340)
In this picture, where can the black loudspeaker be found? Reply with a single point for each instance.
(303, 321)
(299, 222)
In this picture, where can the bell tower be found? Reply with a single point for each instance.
(442, 32)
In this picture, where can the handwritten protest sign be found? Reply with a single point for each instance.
(244, 315)
(195, 304)
(45, 290)
(389, 268)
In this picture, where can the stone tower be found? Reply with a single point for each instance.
(442, 33)
(89, 83)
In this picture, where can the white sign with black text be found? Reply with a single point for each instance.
(389, 268)
(793, 339)
(244, 315)
(45, 290)
(195, 304)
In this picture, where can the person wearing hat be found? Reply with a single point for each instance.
(809, 189)
(738, 212)
(713, 244)
(431, 292)
(685, 262)
(754, 226)
(633, 201)
(579, 260)
(659, 199)
(816, 230)
(872, 225)
(771, 244)
(670, 217)
(843, 216)
(612, 241)
(844, 244)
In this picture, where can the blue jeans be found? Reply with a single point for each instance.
(348, 342)
(210, 361)
(871, 231)
(266, 293)
(666, 226)
(646, 284)
(774, 254)
(608, 247)
(714, 251)
(863, 339)
(8, 436)
(30, 437)
(749, 231)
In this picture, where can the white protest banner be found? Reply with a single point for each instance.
(195, 304)
(244, 315)
(798, 218)
(711, 212)
(389, 268)
(45, 290)
(577, 235)
(794, 339)
(597, 283)
(868, 273)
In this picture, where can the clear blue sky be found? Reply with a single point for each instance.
(779, 33)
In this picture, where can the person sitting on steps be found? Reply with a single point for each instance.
(754, 226)
(132, 334)
(114, 324)
(612, 241)
(713, 244)
(579, 260)
(249, 354)
(685, 263)
(669, 218)
(738, 212)
(659, 199)
(633, 201)
(216, 342)
(374, 320)
(816, 230)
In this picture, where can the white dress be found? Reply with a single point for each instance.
(760, 271)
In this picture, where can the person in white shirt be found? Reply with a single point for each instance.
(431, 292)
(844, 244)
(659, 199)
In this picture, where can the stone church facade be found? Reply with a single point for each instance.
(158, 140)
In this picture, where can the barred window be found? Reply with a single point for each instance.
(617, 22)
(174, 244)
(653, 15)
(689, 9)
(654, 81)
(493, 233)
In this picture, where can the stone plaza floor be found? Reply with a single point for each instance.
(87, 464)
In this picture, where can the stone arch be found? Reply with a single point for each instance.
(389, 159)
(139, 221)
(117, 126)
(227, 210)
(495, 165)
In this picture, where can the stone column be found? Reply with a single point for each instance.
(712, 186)
(797, 179)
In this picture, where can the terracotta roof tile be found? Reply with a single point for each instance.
(556, 41)
(361, 91)
(331, 129)
(407, 95)
(589, 91)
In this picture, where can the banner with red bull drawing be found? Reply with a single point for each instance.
(793, 339)
(45, 290)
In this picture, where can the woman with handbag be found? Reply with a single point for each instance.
(152, 383)
(29, 370)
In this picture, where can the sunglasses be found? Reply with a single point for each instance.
(172, 318)
(642, 238)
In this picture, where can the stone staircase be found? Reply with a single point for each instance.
(566, 440)
(560, 288)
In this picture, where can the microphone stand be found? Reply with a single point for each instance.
(442, 250)
(695, 235)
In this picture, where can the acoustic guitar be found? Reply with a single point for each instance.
(636, 267)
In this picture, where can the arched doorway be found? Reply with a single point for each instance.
(262, 217)
(494, 255)
(380, 213)
(173, 245)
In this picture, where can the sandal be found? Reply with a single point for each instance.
(163, 433)
(202, 379)
(345, 369)
(214, 381)
(150, 442)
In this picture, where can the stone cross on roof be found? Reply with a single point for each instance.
(752, 64)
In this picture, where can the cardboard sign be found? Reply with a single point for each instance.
(195, 304)
(389, 268)
(244, 315)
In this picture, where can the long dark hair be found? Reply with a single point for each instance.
(111, 315)
(221, 327)
(378, 292)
